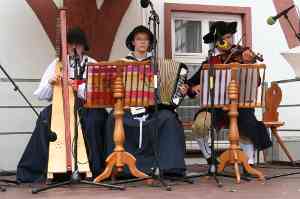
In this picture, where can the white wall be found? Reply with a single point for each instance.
(25, 52)
(25, 48)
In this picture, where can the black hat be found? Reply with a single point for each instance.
(77, 36)
(139, 29)
(218, 29)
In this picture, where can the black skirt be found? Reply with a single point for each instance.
(32, 166)
(163, 141)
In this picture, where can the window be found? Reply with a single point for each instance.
(188, 30)
(188, 36)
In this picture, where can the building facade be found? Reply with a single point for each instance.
(28, 36)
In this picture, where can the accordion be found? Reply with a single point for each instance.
(172, 75)
(138, 82)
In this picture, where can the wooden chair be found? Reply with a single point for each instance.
(271, 117)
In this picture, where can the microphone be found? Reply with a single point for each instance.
(76, 56)
(272, 19)
(223, 44)
(145, 3)
(82, 68)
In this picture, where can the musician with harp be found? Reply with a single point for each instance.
(33, 164)
(254, 134)
(140, 122)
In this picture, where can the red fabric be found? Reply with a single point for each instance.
(215, 60)
(222, 123)
(78, 82)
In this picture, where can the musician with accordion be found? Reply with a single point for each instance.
(155, 139)
(253, 132)
(33, 165)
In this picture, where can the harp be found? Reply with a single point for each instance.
(62, 122)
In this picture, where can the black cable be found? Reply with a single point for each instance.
(73, 147)
(278, 168)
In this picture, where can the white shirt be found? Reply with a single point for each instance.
(217, 52)
(147, 56)
(45, 90)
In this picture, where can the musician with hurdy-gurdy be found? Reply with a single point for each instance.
(140, 123)
(33, 164)
(253, 132)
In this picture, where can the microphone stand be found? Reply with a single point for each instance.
(211, 83)
(155, 22)
(291, 25)
(75, 176)
(77, 78)
(17, 89)
(211, 91)
(298, 37)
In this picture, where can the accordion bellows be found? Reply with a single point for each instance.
(171, 76)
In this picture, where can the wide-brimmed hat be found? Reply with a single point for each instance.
(77, 36)
(139, 29)
(218, 29)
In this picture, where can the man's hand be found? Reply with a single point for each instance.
(247, 56)
(197, 89)
(73, 84)
(55, 80)
(184, 89)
